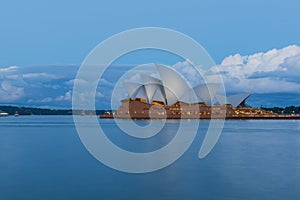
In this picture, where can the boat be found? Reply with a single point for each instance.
(82, 113)
(3, 114)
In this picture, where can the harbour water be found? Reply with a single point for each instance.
(42, 157)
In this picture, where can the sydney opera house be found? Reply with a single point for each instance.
(171, 97)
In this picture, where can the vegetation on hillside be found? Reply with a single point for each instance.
(286, 111)
(11, 110)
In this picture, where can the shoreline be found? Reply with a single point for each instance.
(106, 116)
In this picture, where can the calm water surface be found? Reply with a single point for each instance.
(42, 157)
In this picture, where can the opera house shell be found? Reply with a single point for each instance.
(171, 88)
(170, 96)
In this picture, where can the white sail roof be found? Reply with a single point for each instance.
(149, 79)
(160, 95)
(206, 92)
(132, 88)
(141, 93)
(234, 100)
(221, 100)
(172, 88)
(154, 88)
(174, 84)
(190, 97)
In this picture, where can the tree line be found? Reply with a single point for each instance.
(287, 110)
(11, 110)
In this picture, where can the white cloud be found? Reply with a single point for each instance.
(80, 82)
(52, 86)
(40, 76)
(66, 97)
(83, 82)
(243, 66)
(47, 100)
(85, 96)
(274, 71)
(8, 69)
(105, 82)
(99, 95)
(9, 92)
(189, 72)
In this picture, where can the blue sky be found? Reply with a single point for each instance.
(44, 39)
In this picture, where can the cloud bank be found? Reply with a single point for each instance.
(276, 71)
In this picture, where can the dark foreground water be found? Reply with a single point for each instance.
(43, 158)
